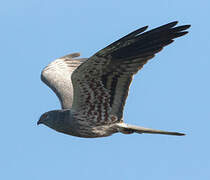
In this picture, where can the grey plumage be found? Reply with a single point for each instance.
(93, 91)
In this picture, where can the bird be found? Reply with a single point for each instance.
(93, 91)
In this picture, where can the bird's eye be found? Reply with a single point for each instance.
(45, 116)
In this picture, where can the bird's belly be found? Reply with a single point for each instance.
(91, 132)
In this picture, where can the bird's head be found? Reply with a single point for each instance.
(55, 119)
(51, 119)
(47, 118)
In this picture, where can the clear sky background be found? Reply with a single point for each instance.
(170, 93)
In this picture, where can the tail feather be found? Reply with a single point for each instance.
(128, 129)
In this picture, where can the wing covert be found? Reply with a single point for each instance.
(103, 80)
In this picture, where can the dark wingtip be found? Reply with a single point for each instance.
(144, 28)
(179, 134)
(141, 44)
(174, 23)
(169, 25)
(188, 26)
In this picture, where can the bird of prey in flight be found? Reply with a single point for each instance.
(92, 91)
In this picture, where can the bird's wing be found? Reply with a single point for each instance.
(57, 75)
(101, 84)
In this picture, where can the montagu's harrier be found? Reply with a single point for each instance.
(93, 91)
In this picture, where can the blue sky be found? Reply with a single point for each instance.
(170, 93)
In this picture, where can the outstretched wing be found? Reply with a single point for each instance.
(57, 75)
(101, 84)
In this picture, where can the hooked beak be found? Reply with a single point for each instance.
(41, 119)
(38, 122)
